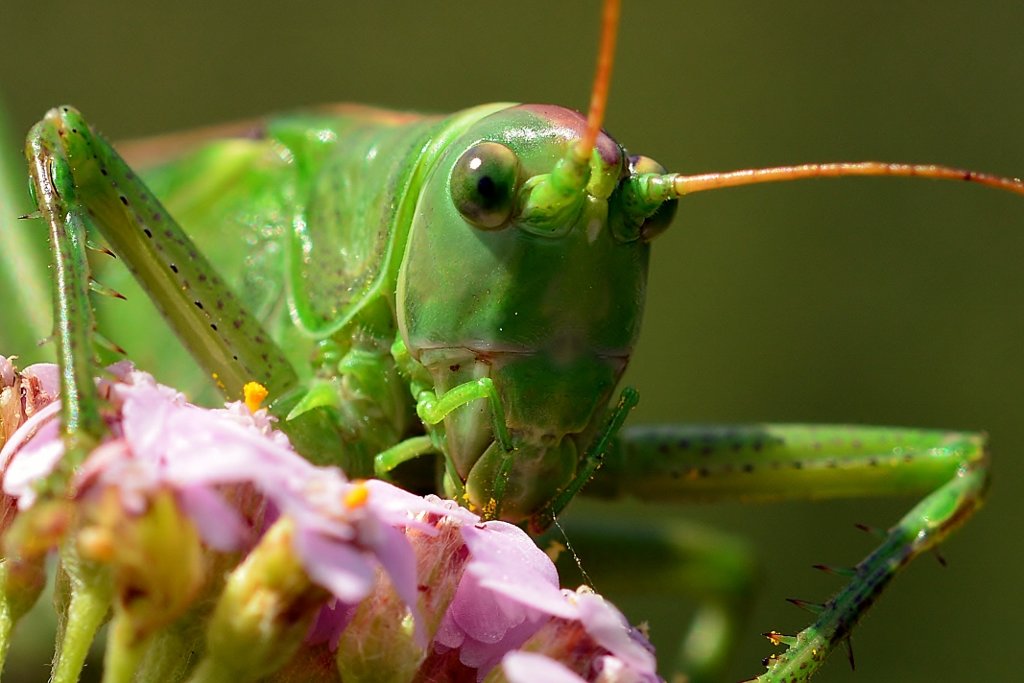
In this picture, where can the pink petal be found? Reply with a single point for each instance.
(27, 431)
(397, 506)
(609, 629)
(342, 570)
(48, 375)
(508, 591)
(219, 524)
(507, 561)
(332, 619)
(34, 460)
(530, 667)
(397, 558)
(6, 371)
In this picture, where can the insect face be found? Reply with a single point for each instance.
(542, 293)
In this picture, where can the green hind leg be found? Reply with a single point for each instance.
(778, 462)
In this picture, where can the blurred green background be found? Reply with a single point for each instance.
(874, 301)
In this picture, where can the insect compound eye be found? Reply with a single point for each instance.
(658, 222)
(483, 184)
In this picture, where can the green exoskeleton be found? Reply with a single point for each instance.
(470, 286)
(446, 256)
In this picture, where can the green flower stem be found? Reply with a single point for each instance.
(124, 650)
(171, 651)
(86, 589)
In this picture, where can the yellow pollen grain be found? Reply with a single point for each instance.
(254, 393)
(96, 543)
(357, 496)
(489, 509)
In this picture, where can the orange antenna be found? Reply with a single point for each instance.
(682, 185)
(554, 195)
(602, 79)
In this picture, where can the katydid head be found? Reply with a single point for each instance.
(533, 280)
(526, 264)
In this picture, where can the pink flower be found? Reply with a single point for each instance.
(368, 552)
(509, 590)
(596, 645)
(509, 599)
(160, 441)
(527, 667)
(26, 404)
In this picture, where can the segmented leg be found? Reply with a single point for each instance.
(81, 183)
(432, 409)
(367, 402)
(84, 185)
(74, 323)
(776, 462)
(592, 460)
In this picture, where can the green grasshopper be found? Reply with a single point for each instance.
(371, 447)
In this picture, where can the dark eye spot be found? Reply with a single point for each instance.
(483, 185)
(486, 188)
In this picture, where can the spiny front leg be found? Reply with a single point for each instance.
(920, 530)
(81, 183)
(73, 315)
(780, 462)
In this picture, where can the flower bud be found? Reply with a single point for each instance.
(264, 612)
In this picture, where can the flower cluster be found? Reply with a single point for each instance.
(225, 556)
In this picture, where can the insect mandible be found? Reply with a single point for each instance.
(818, 223)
